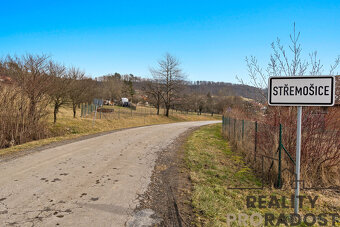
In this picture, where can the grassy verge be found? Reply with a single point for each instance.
(214, 168)
(68, 127)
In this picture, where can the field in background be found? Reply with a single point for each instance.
(214, 167)
(68, 127)
(139, 111)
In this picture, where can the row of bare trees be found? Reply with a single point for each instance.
(168, 89)
(36, 84)
(190, 101)
(45, 81)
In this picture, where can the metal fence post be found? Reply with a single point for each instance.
(242, 129)
(81, 112)
(95, 115)
(298, 156)
(229, 127)
(255, 148)
(225, 125)
(235, 128)
(280, 146)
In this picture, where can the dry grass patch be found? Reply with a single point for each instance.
(68, 127)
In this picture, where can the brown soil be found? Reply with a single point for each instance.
(169, 193)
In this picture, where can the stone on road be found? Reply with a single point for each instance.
(93, 182)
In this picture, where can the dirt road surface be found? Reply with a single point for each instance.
(93, 182)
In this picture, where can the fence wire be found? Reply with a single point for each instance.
(270, 149)
(260, 143)
(116, 112)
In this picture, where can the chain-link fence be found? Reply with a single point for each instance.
(263, 147)
(270, 148)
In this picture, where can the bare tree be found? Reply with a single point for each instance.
(77, 88)
(93, 89)
(30, 74)
(171, 77)
(61, 87)
(210, 104)
(112, 85)
(152, 88)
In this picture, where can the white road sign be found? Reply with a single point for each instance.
(301, 91)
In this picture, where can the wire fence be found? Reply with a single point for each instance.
(263, 147)
(89, 110)
(269, 149)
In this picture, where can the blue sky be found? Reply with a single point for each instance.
(211, 38)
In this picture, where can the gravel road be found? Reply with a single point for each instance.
(93, 182)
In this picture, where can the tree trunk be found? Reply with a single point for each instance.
(55, 116)
(74, 110)
(56, 108)
(32, 111)
(167, 111)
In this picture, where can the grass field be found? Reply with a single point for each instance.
(68, 127)
(214, 168)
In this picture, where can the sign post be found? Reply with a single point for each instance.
(300, 91)
(297, 161)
